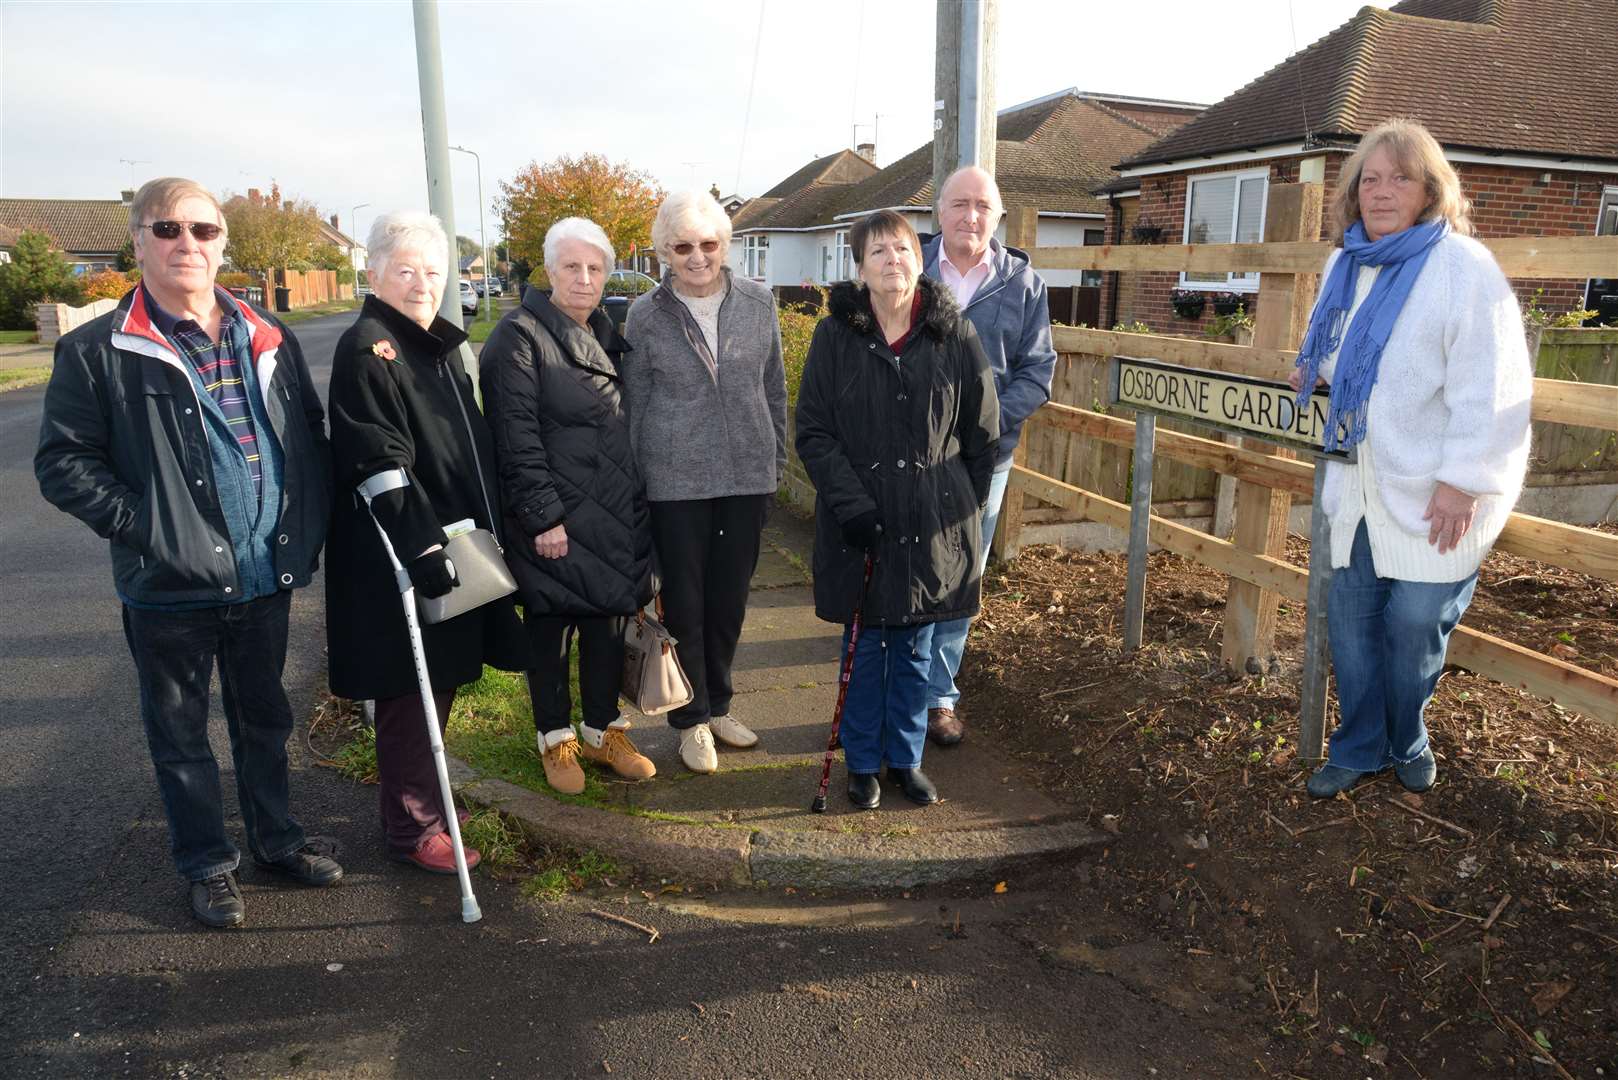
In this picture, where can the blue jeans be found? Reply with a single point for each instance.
(174, 653)
(1387, 648)
(885, 714)
(949, 638)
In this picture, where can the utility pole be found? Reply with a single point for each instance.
(435, 139)
(963, 89)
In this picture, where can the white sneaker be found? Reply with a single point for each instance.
(697, 749)
(733, 732)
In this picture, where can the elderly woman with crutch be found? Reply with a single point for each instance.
(897, 425)
(576, 511)
(707, 398)
(402, 409)
(1418, 335)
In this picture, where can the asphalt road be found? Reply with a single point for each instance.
(104, 973)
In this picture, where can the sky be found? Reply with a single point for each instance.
(323, 98)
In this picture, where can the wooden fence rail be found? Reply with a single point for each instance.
(1519, 256)
(1557, 400)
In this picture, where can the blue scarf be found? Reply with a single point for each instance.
(1401, 255)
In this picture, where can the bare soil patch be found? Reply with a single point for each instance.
(1471, 931)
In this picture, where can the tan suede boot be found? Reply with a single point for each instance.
(617, 752)
(561, 760)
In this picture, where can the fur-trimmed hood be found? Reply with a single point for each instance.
(850, 303)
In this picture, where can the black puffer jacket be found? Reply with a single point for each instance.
(551, 393)
(912, 437)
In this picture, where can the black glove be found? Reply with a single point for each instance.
(863, 530)
(433, 574)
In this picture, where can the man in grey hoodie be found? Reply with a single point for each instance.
(1004, 298)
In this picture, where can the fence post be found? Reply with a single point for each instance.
(1292, 213)
(1140, 527)
(1313, 700)
(1008, 530)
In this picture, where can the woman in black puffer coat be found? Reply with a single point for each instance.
(897, 424)
(578, 535)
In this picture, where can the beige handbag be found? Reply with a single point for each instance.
(654, 682)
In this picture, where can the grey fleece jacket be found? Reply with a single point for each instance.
(706, 427)
(1013, 320)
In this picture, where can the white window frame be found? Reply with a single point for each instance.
(842, 257)
(1234, 281)
(755, 256)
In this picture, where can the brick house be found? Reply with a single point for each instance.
(1050, 153)
(89, 232)
(1498, 82)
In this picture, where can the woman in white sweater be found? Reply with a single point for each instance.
(1418, 335)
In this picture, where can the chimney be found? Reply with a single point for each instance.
(128, 196)
(334, 223)
(254, 196)
(867, 150)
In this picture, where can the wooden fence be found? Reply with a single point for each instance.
(1266, 477)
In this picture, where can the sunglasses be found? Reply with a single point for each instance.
(685, 247)
(170, 230)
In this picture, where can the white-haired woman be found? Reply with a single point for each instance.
(1417, 332)
(708, 413)
(400, 399)
(576, 528)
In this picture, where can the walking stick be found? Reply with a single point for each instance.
(818, 806)
(376, 485)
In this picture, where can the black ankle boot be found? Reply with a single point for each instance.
(864, 791)
(914, 783)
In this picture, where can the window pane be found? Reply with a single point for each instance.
(1250, 215)
(1212, 208)
(1249, 218)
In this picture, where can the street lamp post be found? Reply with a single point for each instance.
(483, 236)
(354, 224)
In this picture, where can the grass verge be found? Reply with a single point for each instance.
(18, 337)
(331, 307)
(21, 377)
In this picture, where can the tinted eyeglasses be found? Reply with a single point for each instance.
(170, 230)
(685, 247)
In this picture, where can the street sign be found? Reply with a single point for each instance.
(1253, 409)
(1237, 404)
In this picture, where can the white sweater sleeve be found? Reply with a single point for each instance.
(1488, 378)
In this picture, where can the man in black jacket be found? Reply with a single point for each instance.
(183, 427)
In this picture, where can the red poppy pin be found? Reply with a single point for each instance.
(384, 349)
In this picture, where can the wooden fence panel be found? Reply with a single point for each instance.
(1573, 687)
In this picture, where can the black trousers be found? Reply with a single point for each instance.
(175, 654)
(601, 668)
(708, 550)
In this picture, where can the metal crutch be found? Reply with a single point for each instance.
(818, 806)
(391, 480)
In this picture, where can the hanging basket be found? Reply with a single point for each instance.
(1189, 306)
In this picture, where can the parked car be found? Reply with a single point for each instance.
(629, 283)
(469, 299)
(490, 287)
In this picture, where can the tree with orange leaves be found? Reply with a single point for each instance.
(621, 199)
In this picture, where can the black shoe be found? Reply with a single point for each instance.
(217, 902)
(914, 783)
(864, 791)
(309, 865)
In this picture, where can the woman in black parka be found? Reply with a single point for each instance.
(897, 424)
(577, 523)
(400, 399)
